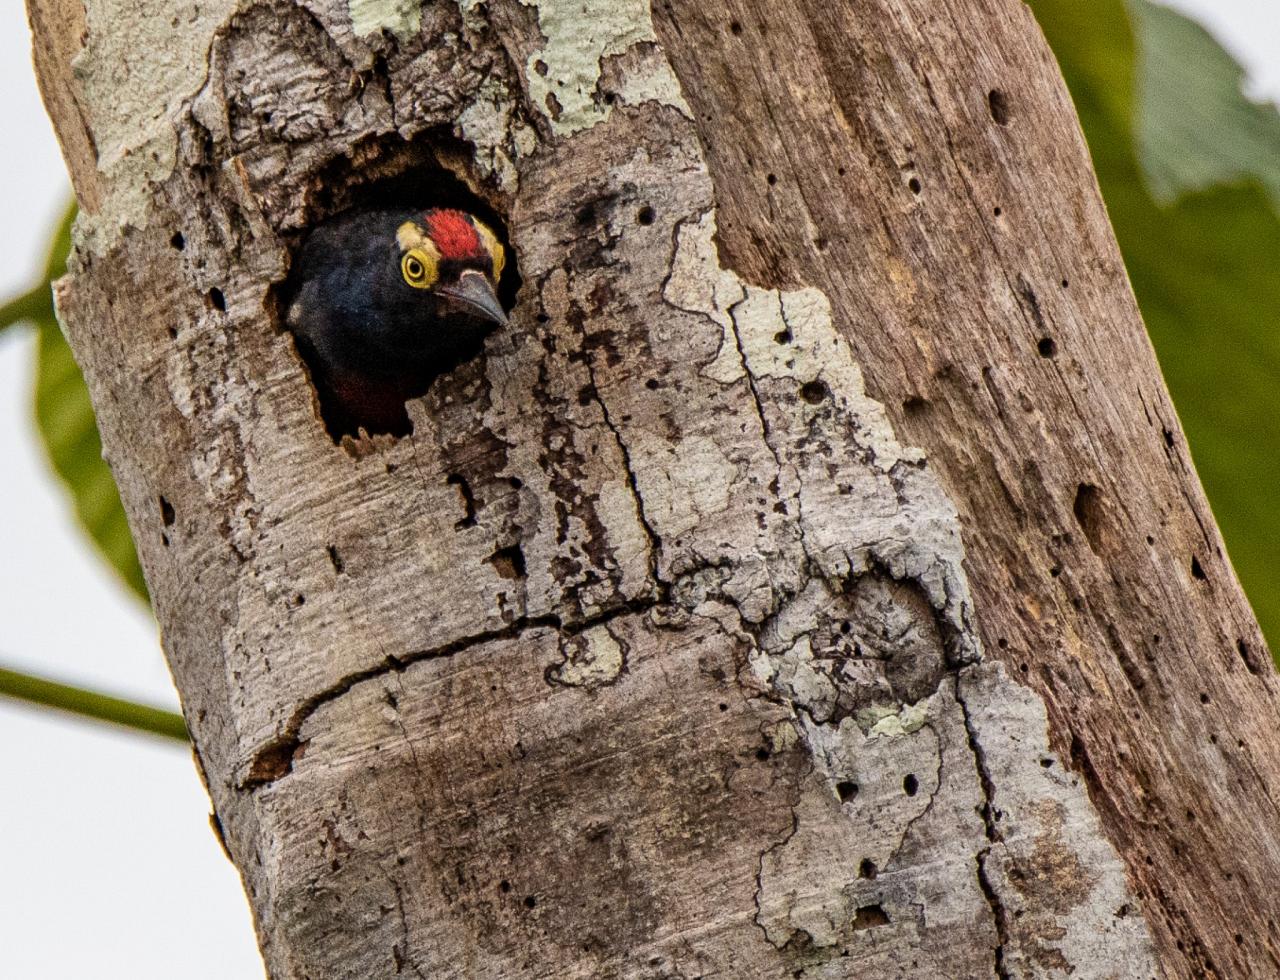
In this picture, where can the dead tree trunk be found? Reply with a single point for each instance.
(656, 650)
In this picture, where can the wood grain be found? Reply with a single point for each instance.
(921, 163)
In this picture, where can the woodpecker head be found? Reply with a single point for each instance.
(385, 301)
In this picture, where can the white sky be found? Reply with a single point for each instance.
(108, 868)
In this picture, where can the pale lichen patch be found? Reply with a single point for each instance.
(784, 334)
(894, 724)
(141, 61)
(1056, 875)
(563, 75)
(698, 284)
(488, 123)
(592, 658)
(855, 814)
(781, 736)
(642, 74)
(402, 18)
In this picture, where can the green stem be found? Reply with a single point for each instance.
(34, 304)
(91, 704)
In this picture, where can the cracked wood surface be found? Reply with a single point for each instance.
(655, 650)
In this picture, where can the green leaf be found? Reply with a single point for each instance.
(27, 308)
(1191, 200)
(1193, 127)
(92, 704)
(65, 421)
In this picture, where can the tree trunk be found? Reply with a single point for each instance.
(655, 650)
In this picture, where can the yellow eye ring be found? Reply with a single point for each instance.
(418, 269)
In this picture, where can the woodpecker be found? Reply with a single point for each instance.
(382, 302)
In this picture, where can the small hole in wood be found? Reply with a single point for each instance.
(1047, 346)
(530, 902)
(1197, 572)
(335, 559)
(1246, 655)
(915, 405)
(167, 514)
(910, 785)
(915, 185)
(997, 211)
(508, 562)
(1089, 514)
(217, 300)
(772, 179)
(814, 392)
(762, 754)
(468, 518)
(504, 886)
(846, 790)
(782, 337)
(646, 215)
(869, 917)
(735, 28)
(867, 869)
(1204, 698)
(998, 103)
(1065, 283)
(177, 241)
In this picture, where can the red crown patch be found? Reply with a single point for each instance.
(454, 234)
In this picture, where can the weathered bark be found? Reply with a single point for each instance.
(654, 652)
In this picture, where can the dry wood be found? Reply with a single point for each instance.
(655, 651)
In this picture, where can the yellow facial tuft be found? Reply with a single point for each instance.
(491, 245)
(420, 263)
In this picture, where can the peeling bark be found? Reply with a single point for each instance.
(655, 650)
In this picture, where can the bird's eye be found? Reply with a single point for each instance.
(418, 269)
